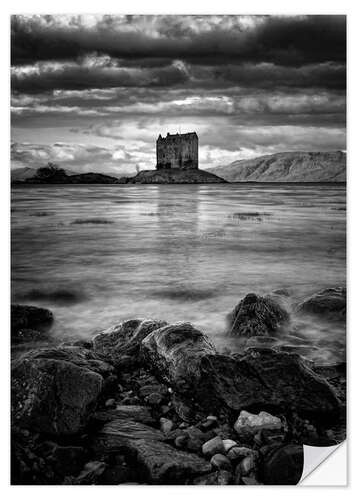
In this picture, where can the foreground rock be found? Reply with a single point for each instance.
(155, 461)
(283, 464)
(249, 424)
(256, 316)
(208, 382)
(132, 412)
(29, 323)
(177, 350)
(119, 342)
(329, 304)
(155, 403)
(219, 478)
(121, 432)
(163, 464)
(79, 356)
(54, 391)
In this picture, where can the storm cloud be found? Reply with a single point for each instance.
(249, 85)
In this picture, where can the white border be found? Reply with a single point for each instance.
(166, 7)
(329, 467)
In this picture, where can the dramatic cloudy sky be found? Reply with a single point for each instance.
(94, 92)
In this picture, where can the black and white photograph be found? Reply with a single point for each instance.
(178, 247)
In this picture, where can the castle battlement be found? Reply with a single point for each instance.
(177, 151)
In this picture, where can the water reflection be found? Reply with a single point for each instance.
(174, 252)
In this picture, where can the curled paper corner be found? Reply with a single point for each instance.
(314, 456)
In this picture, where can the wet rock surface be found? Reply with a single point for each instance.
(329, 304)
(53, 396)
(151, 403)
(163, 464)
(248, 424)
(207, 381)
(283, 464)
(132, 412)
(256, 316)
(29, 323)
(118, 342)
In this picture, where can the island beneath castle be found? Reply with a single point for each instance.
(176, 163)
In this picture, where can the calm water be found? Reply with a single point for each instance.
(96, 255)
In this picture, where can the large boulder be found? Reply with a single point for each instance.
(256, 316)
(77, 355)
(55, 391)
(282, 464)
(156, 461)
(119, 433)
(175, 353)
(29, 323)
(123, 340)
(329, 304)
(209, 382)
(160, 463)
(131, 412)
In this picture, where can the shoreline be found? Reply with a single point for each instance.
(318, 183)
(154, 403)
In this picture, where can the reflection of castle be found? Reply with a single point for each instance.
(177, 151)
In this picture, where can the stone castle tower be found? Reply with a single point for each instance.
(177, 151)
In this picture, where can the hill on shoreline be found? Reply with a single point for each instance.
(287, 167)
(61, 176)
(173, 176)
(297, 167)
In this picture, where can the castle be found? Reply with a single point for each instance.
(177, 151)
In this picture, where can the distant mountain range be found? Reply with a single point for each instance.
(20, 174)
(287, 167)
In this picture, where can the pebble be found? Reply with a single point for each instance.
(247, 465)
(166, 425)
(237, 475)
(258, 438)
(219, 461)
(154, 399)
(249, 423)
(250, 481)
(208, 424)
(180, 441)
(165, 409)
(224, 477)
(91, 471)
(229, 443)
(213, 446)
(240, 452)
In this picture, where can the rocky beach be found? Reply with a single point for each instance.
(147, 402)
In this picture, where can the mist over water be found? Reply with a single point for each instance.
(97, 255)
